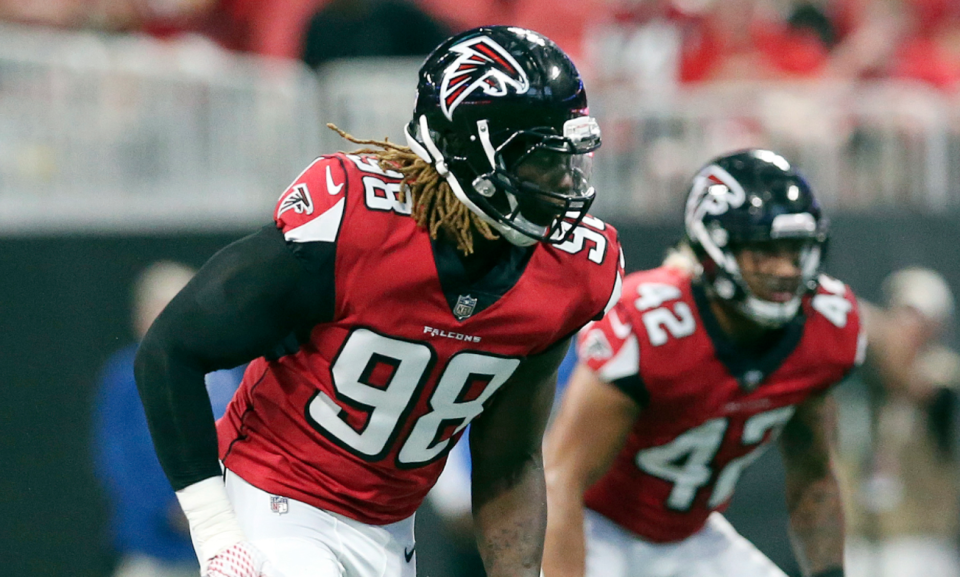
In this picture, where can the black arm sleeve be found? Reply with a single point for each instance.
(245, 302)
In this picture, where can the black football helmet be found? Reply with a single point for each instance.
(748, 197)
(501, 113)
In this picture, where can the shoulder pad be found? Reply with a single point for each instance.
(598, 258)
(609, 346)
(311, 209)
(836, 304)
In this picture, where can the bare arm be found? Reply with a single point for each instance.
(509, 497)
(813, 494)
(590, 429)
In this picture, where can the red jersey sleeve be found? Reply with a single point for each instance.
(312, 208)
(838, 326)
(596, 243)
(588, 266)
(610, 349)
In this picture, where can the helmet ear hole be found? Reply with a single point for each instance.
(725, 288)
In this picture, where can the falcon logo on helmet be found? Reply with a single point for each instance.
(482, 65)
(715, 192)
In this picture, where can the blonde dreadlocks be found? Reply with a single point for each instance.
(435, 207)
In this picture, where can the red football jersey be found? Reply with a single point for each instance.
(360, 420)
(708, 409)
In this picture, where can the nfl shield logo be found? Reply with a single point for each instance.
(279, 505)
(465, 306)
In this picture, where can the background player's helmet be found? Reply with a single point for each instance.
(501, 113)
(747, 197)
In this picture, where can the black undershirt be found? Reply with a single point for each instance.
(487, 284)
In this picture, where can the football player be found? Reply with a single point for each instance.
(700, 365)
(402, 293)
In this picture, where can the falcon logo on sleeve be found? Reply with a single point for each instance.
(595, 345)
(482, 65)
(297, 199)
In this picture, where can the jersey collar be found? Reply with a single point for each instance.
(748, 367)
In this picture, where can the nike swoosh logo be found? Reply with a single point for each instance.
(333, 189)
(409, 555)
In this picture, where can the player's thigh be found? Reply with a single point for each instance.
(913, 556)
(377, 550)
(299, 557)
(718, 550)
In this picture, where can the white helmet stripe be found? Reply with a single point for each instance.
(483, 129)
(438, 160)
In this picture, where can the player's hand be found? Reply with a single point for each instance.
(240, 560)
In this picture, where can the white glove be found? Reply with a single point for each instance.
(239, 560)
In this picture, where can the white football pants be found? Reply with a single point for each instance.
(717, 550)
(303, 541)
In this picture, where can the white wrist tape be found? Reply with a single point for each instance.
(213, 523)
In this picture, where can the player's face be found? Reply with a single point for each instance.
(772, 269)
(548, 171)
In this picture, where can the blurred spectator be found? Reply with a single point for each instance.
(348, 28)
(930, 52)
(751, 40)
(61, 13)
(637, 44)
(904, 478)
(867, 34)
(149, 531)
(265, 27)
(656, 44)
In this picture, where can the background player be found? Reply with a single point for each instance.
(697, 368)
(400, 293)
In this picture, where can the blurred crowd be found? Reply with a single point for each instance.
(740, 40)
(862, 143)
(662, 41)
